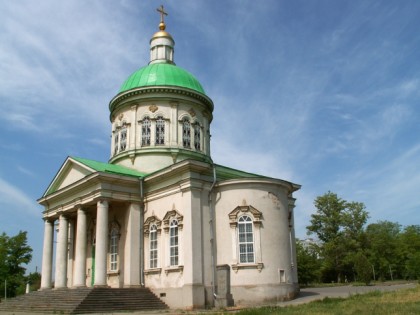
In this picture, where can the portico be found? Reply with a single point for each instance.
(83, 229)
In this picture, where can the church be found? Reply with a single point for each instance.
(160, 213)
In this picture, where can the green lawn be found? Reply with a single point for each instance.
(383, 303)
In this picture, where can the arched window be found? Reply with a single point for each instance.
(160, 130)
(197, 137)
(113, 249)
(145, 131)
(173, 243)
(246, 240)
(186, 133)
(120, 138)
(123, 138)
(153, 262)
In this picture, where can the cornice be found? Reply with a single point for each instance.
(113, 104)
(290, 187)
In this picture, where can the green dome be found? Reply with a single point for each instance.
(162, 74)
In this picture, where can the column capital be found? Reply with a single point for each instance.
(62, 213)
(103, 201)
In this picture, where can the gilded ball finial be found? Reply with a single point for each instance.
(162, 12)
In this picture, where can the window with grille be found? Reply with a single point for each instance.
(113, 250)
(173, 243)
(197, 137)
(153, 247)
(246, 240)
(186, 133)
(160, 131)
(116, 141)
(145, 131)
(123, 139)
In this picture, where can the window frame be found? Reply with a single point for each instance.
(160, 130)
(186, 133)
(153, 247)
(121, 138)
(246, 240)
(174, 243)
(113, 254)
(146, 132)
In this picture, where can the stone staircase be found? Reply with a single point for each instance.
(84, 300)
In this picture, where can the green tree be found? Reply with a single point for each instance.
(308, 264)
(327, 221)
(339, 225)
(382, 240)
(409, 252)
(363, 268)
(14, 252)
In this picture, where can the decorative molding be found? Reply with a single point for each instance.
(114, 225)
(174, 269)
(153, 271)
(173, 214)
(116, 101)
(150, 221)
(235, 213)
(192, 112)
(258, 266)
(132, 158)
(153, 108)
(112, 273)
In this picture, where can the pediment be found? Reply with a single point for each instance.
(70, 172)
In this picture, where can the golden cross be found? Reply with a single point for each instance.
(162, 13)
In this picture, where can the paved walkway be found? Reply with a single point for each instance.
(312, 294)
(305, 296)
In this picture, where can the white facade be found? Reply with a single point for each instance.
(161, 214)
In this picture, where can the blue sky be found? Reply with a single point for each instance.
(322, 93)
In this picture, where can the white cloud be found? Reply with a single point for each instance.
(12, 199)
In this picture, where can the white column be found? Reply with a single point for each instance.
(61, 258)
(47, 255)
(70, 261)
(81, 246)
(101, 242)
(132, 247)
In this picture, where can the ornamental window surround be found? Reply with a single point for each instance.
(152, 230)
(172, 225)
(190, 132)
(245, 223)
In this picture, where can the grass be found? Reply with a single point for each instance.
(376, 302)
